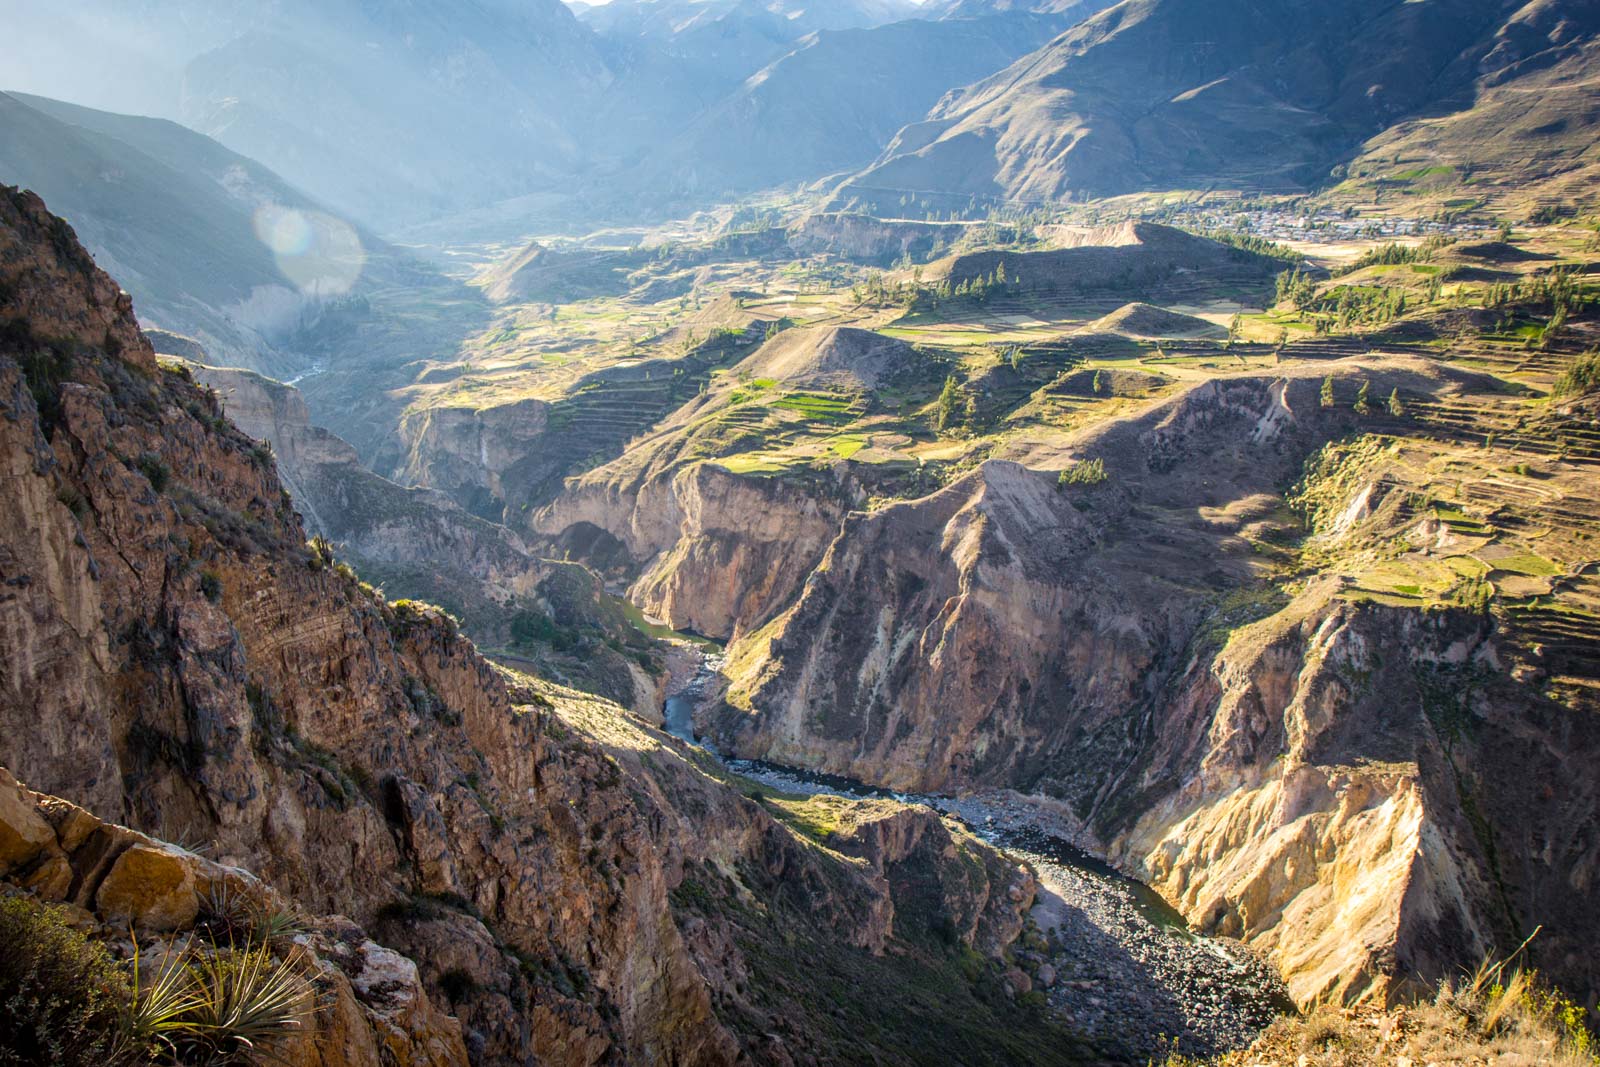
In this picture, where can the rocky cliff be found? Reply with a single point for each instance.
(577, 887)
(417, 543)
(1341, 781)
(715, 547)
(719, 552)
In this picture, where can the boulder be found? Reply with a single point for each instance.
(152, 887)
(23, 834)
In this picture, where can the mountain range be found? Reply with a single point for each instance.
(1162, 94)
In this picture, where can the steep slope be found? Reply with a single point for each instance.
(418, 544)
(833, 102)
(576, 886)
(1347, 781)
(1180, 94)
(185, 224)
(716, 550)
(389, 112)
(1528, 141)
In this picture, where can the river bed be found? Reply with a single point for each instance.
(1119, 962)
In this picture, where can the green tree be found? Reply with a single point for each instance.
(949, 404)
(1327, 391)
(1396, 408)
(1097, 387)
(1364, 399)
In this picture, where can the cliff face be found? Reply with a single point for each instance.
(1342, 784)
(418, 543)
(467, 453)
(178, 661)
(720, 553)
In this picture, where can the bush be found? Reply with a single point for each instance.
(155, 471)
(1085, 472)
(1582, 375)
(63, 998)
(65, 1002)
(211, 586)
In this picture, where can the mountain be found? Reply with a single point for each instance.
(191, 227)
(1530, 140)
(690, 24)
(834, 101)
(393, 112)
(1160, 94)
(675, 59)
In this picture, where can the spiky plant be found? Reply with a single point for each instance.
(162, 1002)
(249, 1002)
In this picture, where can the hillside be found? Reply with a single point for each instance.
(1161, 94)
(832, 102)
(211, 244)
(390, 113)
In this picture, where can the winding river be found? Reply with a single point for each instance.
(1118, 962)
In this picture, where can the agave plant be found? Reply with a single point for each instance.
(247, 1002)
(162, 1002)
(232, 915)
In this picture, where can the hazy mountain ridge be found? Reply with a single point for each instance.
(177, 215)
(1179, 94)
(834, 101)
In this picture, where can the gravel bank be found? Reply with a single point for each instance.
(1108, 953)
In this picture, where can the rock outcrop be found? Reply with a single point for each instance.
(178, 661)
(712, 550)
(118, 881)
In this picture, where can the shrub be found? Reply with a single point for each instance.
(1581, 375)
(1085, 472)
(63, 998)
(155, 471)
(245, 1002)
(211, 586)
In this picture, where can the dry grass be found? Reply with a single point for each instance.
(1498, 1016)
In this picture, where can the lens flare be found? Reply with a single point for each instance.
(320, 254)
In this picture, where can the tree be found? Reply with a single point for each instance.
(1363, 399)
(948, 405)
(1016, 358)
(1327, 391)
(1097, 387)
(1396, 408)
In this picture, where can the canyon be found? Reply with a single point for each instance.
(180, 661)
(682, 544)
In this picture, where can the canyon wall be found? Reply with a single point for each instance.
(178, 661)
(719, 553)
(1349, 786)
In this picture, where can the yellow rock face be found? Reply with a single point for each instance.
(150, 887)
(23, 834)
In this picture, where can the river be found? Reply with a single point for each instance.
(1119, 963)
